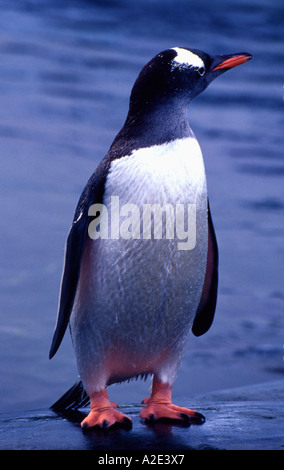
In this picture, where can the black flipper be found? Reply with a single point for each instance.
(73, 255)
(75, 245)
(207, 305)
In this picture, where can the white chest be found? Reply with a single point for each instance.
(144, 292)
(168, 173)
(144, 271)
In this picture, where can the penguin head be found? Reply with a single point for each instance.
(180, 74)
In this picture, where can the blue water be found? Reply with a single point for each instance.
(66, 70)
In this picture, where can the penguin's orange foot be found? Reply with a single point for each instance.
(168, 411)
(145, 401)
(105, 419)
(160, 407)
(104, 414)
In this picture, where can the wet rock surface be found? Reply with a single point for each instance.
(246, 418)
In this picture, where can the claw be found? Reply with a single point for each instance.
(105, 424)
(186, 419)
(145, 401)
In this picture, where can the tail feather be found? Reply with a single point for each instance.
(76, 397)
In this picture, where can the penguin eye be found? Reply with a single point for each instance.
(201, 71)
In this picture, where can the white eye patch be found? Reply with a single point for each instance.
(185, 58)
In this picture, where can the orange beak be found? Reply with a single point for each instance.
(233, 61)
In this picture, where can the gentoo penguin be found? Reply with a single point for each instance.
(132, 300)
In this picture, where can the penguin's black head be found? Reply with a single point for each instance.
(180, 74)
